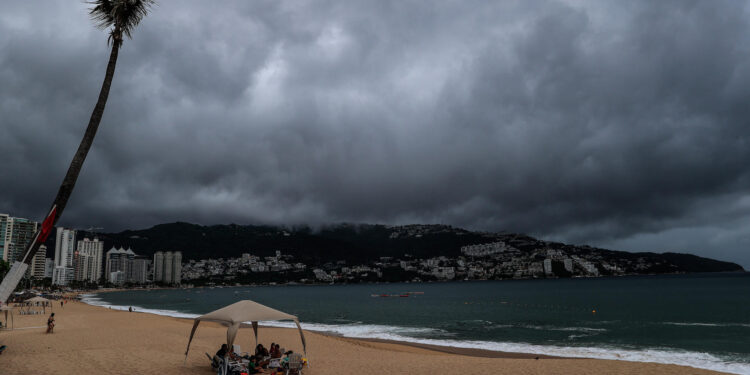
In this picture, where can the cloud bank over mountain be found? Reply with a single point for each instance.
(618, 124)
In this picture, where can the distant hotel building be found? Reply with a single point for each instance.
(15, 235)
(87, 260)
(139, 270)
(38, 263)
(125, 266)
(168, 267)
(65, 245)
(118, 262)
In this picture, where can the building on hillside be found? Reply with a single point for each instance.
(88, 260)
(485, 249)
(547, 264)
(38, 263)
(168, 267)
(568, 264)
(15, 234)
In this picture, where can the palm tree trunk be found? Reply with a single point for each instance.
(66, 188)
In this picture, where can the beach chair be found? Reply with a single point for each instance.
(295, 364)
(214, 363)
(221, 368)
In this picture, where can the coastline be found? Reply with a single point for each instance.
(393, 335)
(90, 338)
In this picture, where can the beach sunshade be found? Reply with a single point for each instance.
(37, 299)
(235, 314)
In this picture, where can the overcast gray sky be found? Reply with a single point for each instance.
(622, 124)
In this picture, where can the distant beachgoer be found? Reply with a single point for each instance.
(51, 323)
(61, 303)
(130, 308)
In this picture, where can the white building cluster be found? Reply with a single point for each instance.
(245, 264)
(485, 249)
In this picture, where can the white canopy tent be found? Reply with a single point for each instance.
(40, 301)
(235, 314)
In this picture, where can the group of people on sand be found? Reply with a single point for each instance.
(264, 361)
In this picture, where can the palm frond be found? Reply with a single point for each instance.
(122, 15)
(101, 13)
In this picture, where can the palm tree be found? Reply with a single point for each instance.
(120, 17)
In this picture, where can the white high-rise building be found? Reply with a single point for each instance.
(4, 218)
(168, 258)
(65, 243)
(15, 235)
(88, 260)
(65, 246)
(158, 266)
(176, 267)
(38, 263)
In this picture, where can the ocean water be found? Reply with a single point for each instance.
(700, 320)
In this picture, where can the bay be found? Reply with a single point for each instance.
(700, 320)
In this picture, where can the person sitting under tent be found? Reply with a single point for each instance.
(223, 351)
(275, 352)
(254, 367)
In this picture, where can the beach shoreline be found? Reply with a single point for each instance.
(91, 338)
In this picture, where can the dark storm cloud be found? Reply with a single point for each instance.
(621, 124)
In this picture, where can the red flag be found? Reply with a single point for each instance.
(47, 225)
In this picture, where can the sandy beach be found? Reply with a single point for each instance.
(90, 339)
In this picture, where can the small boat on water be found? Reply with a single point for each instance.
(390, 295)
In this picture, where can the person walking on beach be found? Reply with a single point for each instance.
(51, 323)
(61, 303)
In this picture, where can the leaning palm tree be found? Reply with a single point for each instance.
(120, 17)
